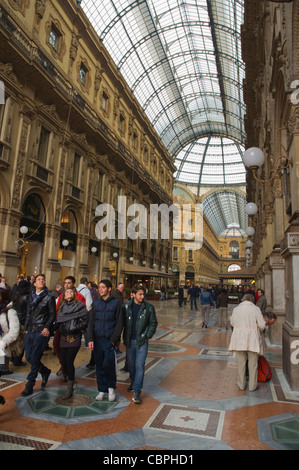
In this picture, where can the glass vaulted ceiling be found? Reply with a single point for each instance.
(182, 60)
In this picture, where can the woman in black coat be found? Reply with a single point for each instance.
(72, 321)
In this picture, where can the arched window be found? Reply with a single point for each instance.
(233, 267)
(234, 249)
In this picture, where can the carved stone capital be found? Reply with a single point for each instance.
(290, 244)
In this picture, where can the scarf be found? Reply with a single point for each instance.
(35, 299)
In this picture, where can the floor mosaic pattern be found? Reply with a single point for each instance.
(190, 399)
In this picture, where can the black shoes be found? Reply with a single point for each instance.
(136, 398)
(45, 377)
(27, 392)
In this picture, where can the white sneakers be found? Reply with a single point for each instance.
(111, 395)
(100, 396)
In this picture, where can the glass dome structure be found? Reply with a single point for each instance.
(182, 61)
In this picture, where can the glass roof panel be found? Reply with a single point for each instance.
(191, 48)
(182, 60)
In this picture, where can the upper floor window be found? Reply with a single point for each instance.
(100, 186)
(83, 74)
(105, 102)
(234, 249)
(43, 146)
(54, 37)
(76, 169)
(121, 123)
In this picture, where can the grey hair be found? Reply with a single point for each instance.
(248, 297)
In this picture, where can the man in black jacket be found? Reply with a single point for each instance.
(40, 317)
(140, 324)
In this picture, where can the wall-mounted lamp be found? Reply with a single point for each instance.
(251, 208)
(24, 230)
(93, 249)
(250, 231)
(131, 259)
(253, 158)
(249, 244)
(65, 243)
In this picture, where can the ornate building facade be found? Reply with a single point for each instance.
(271, 53)
(211, 263)
(72, 137)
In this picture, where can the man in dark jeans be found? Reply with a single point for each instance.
(103, 335)
(140, 324)
(40, 317)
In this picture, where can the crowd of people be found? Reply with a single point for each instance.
(248, 322)
(30, 314)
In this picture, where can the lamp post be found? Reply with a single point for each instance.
(115, 256)
(24, 231)
(65, 243)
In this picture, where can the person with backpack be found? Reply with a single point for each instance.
(247, 322)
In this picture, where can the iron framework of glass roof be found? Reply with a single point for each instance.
(182, 60)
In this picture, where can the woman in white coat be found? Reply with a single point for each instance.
(247, 322)
(9, 330)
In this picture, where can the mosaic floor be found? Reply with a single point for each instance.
(190, 399)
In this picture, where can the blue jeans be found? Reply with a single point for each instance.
(136, 357)
(35, 344)
(193, 302)
(104, 357)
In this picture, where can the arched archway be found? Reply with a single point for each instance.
(68, 243)
(33, 220)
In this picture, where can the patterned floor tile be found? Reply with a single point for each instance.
(187, 420)
(11, 441)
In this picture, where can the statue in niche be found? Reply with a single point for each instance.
(40, 6)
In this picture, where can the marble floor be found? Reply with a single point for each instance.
(190, 399)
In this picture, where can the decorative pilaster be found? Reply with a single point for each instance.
(290, 330)
(277, 269)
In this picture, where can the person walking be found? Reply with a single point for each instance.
(9, 330)
(180, 295)
(40, 317)
(206, 300)
(140, 324)
(222, 304)
(72, 321)
(193, 294)
(247, 322)
(261, 301)
(103, 334)
(84, 290)
(20, 302)
(69, 282)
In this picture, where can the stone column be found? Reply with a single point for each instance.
(277, 269)
(51, 266)
(267, 282)
(290, 329)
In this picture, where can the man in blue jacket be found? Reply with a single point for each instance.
(103, 334)
(206, 300)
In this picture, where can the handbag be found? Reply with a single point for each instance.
(264, 372)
